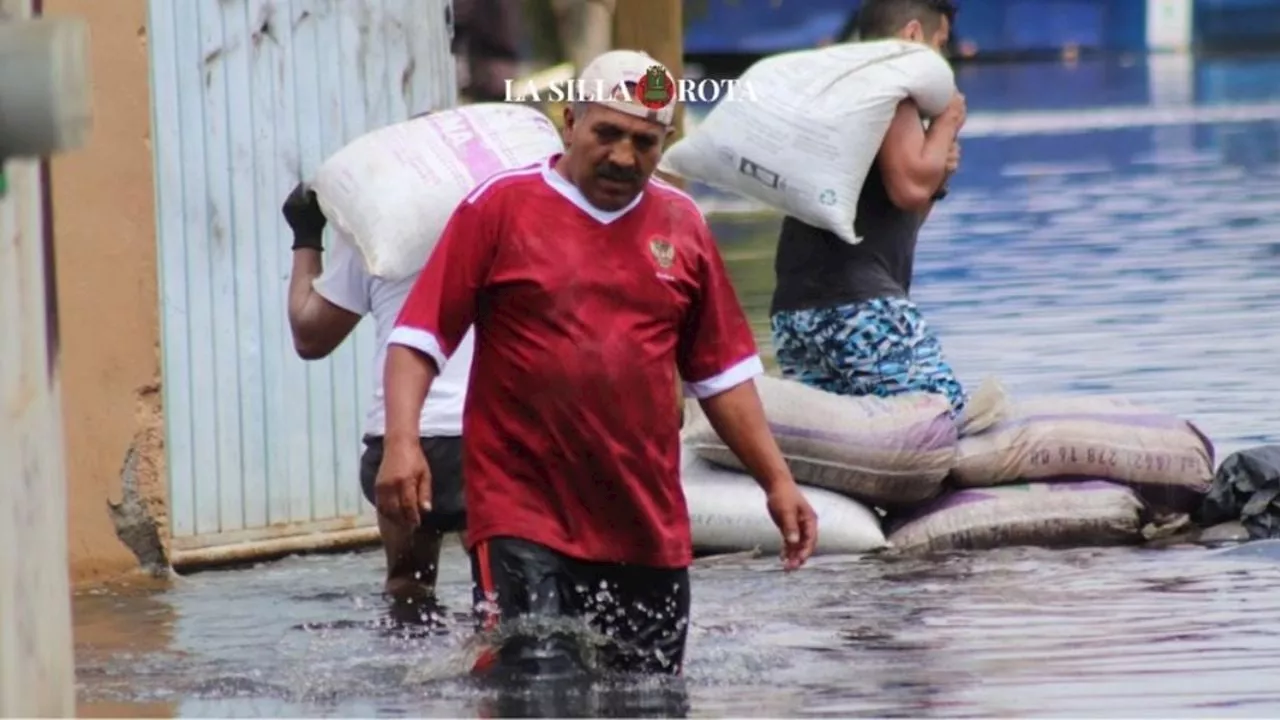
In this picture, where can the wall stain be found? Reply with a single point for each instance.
(364, 29)
(217, 233)
(266, 26)
(406, 82)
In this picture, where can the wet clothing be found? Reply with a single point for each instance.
(413, 554)
(841, 317)
(582, 318)
(640, 615)
(879, 347)
(347, 284)
(444, 458)
(815, 268)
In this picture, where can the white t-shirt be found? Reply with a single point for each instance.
(348, 285)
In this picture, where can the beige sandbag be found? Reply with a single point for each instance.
(882, 451)
(1056, 515)
(729, 513)
(1165, 457)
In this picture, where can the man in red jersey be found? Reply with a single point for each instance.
(589, 285)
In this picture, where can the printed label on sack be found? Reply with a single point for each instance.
(1104, 457)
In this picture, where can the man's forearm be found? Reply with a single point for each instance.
(407, 377)
(938, 140)
(307, 266)
(738, 418)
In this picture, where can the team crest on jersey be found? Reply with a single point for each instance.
(663, 252)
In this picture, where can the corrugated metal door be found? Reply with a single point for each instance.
(248, 97)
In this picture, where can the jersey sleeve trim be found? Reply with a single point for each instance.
(743, 371)
(420, 340)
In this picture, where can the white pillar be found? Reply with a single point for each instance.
(1169, 25)
(43, 109)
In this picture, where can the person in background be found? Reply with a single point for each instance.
(848, 32)
(486, 42)
(589, 285)
(585, 28)
(841, 315)
(325, 304)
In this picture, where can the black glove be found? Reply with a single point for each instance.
(302, 212)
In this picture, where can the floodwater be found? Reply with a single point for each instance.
(1130, 249)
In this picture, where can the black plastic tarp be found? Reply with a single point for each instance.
(1246, 488)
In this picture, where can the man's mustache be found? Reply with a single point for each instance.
(617, 173)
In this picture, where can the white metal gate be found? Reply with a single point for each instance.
(248, 97)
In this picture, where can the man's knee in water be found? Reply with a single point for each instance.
(552, 616)
(413, 554)
(525, 600)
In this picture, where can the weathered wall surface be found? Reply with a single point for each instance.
(104, 221)
(37, 676)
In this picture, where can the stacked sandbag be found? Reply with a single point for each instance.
(884, 452)
(1165, 458)
(1051, 515)
(805, 135)
(728, 513)
(393, 190)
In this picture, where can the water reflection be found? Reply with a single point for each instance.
(1134, 260)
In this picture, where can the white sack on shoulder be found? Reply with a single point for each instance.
(393, 190)
(728, 513)
(804, 138)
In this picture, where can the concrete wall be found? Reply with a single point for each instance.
(36, 670)
(104, 222)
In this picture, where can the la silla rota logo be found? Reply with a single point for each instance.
(656, 89)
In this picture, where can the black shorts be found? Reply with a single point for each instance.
(444, 458)
(644, 612)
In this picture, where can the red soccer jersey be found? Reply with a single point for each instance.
(582, 318)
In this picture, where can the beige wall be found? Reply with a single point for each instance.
(104, 223)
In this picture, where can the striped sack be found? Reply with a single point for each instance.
(1053, 515)
(1167, 459)
(881, 451)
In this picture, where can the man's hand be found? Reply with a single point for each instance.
(955, 113)
(738, 418)
(953, 158)
(797, 522)
(302, 212)
(403, 487)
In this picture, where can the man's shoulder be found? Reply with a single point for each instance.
(504, 183)
(673, 196)
(676, 204)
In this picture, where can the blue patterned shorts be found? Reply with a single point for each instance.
(879, 347)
